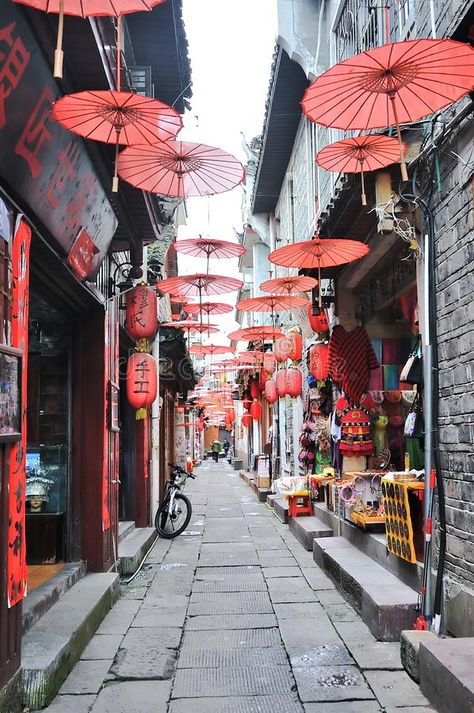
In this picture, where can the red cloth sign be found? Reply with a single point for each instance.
(16, 561)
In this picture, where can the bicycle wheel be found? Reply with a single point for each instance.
(169, 525)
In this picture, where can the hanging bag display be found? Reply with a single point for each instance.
(412, 372)
(414, 422)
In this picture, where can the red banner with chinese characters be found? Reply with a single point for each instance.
(17, 572)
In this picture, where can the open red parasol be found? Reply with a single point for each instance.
(209, 248)
(208, 308)
(397, 83)
(199, 283)
(85, 8)
(359, 154)
(288, 285)
(255, 334)
(271, 303)
(250, 358)
(205, 349)
(319, 253)
(180, 169)
(191, 326)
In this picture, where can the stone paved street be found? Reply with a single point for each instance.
(235, 617)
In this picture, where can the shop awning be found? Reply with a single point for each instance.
(176, 368)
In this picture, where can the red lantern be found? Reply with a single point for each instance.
(254, 390)
(256, 410)
(246, 403)
(318, 361)
(230, 415)
(142, 380)
(246, 420)
(271, 393)
(142, 312)
(263, 380)
(281, 350)
(319, 323)
(295, 346)
(280, 381)
(294, 382)
(269, 362)
(180, 409)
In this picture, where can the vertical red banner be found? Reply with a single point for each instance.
(17, 571)
(107, 455)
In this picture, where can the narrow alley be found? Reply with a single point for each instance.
(234, 616)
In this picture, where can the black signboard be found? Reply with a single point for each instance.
(42, 163)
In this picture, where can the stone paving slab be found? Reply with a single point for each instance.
(70, 704)
(310, 610)
(246, 704)
(147, 654)
(280, 572)
(395, 687)
(230, 639)
(347, 707)
(120, 617)
(86, 677)
(102, 646)
(378, 655)
(212, 682)
(160, 614)
(331, 683)
(133, 697)
(323, 655)
(236, 621)
(300, 636)
(230, 603)
(232, 658)
(290, 589)
(246, 584)
(317, 580)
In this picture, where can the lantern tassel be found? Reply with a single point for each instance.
(141, 414)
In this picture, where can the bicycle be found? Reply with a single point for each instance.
(174, 513)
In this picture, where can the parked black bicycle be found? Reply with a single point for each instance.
(174, 513)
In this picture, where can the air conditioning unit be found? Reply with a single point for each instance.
(141, 81)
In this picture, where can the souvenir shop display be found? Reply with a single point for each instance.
(403, 498)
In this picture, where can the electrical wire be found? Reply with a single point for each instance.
(128, 581)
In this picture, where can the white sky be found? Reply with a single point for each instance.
(231, 45)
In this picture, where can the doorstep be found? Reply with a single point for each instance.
(271, 497)
(125, 527)
(280, 507)
(41, 599)
(133, 548)
(261, 493)
(447, 674)
(306, 528)
(386, 605)
(247, 477)
(55, 642)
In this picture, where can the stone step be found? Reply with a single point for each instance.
(280, 506)
(385, 604)
(447, 674)
(247, 477)
(55, 643)
(261, 493)
(271, 497)
(134, 547)
(237, 463)
(125, 528)
(306, 528)
(44, 597)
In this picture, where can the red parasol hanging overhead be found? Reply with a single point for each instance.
(250, 358)
(191, 326)
(198, 284)
(180, 169)
(271, 303)
(208, 308)
(289, 285)
(360, 154)
(319, 253)
(209, 248)
(211, 349)
(255, 334)
(85, 8)
(397, 83)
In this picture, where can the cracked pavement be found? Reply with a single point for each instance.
(234, 616)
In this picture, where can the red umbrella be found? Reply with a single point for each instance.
(397, 83)
(209, 247)
(205, 349)
(359, 154)
(116, 117)
(85, 8)
(288, 285)
(180, 169)
(271, 303)
(250, 357)
(208, 308)
(317, 253)
(188, 326)
(255, 334)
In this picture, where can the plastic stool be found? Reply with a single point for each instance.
(296, 508)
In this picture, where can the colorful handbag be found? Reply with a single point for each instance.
(412, 372)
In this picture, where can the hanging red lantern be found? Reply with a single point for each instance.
(254, 389)
(271, 393)
(142, 312)
(319, 323)
(294, 382)
(142, 381)
(269, 362)
(180, 409)
(280, 381)
(256, 410)
(230, 415)
(246, 403)
(281, 350)
(263, 380)
(295, 346)
(246, 420)
(318, 361)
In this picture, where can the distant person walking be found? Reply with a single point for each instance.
(226, 447)
(216, 449)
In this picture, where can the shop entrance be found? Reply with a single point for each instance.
(48, 439)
